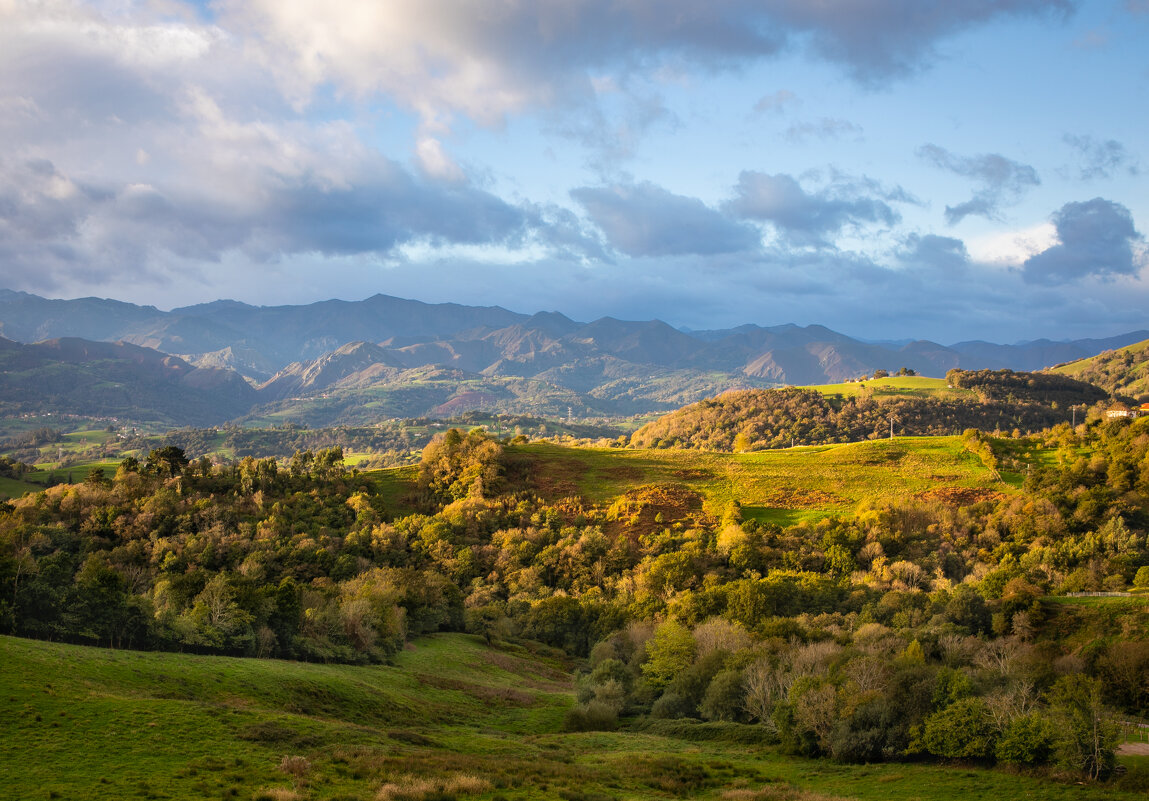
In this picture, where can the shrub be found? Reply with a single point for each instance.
(595, 716)
(671, 705)
(962, 730)
(1027, 740)
(724, 697)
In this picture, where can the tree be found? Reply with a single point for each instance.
(724, 697)
(167, 461)
(1087, 736)
(669, 652)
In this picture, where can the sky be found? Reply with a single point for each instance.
(891, 169)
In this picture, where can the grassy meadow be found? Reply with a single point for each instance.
(782, 486)
(912, 386)
(452, 719)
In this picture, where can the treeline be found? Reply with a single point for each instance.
(872, 693)
(759, 419)
(915, 628)
(1015, 387)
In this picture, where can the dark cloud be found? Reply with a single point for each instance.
(646, 220)
(802, 217)
(47, 219)
(1096, 239)
(1002, 180)
(876, 40)
(934, 254)
(1097, 159)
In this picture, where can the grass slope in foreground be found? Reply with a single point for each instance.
(453, 719)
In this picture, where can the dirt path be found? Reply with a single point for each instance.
(1133, 749)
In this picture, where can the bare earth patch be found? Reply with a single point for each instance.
(960, 496)
(795, 498)
(1133, 749)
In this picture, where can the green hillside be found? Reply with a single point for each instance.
(450, 720)
(1121, 372)
(779, 485)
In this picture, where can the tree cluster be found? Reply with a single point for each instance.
(759, 419)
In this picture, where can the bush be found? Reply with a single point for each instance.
(962, 730)
(671, 705)
(594, 716)
(724, 697)
(1027, 740)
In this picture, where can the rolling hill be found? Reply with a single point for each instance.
(1124, 371)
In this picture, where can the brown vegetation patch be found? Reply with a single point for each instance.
(560, 479)
(672, 501)
(551, 676)
(959, 496)
(798, 498)
(652, 507)
(490, 696)
(623, 473)
(464, 402)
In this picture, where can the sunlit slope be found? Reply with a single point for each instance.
(782, 485)
(1124, 371)
(81, 722)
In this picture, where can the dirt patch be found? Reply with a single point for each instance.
(1133, 749)
(959, 496)
(795, 498)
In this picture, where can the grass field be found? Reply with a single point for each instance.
(452, 719)
(893, 386)
(781, 486)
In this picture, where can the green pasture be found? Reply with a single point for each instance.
(779, 485)
(912, 386)
(36, 480)
(452, 719)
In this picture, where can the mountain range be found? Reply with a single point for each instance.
(344, 361)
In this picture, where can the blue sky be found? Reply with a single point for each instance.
(888, 168)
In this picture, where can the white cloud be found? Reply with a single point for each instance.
(1012, 248)
(435, 162)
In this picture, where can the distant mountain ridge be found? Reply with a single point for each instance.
(335, 351)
